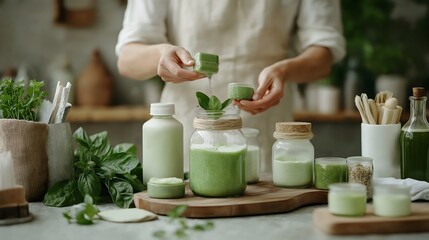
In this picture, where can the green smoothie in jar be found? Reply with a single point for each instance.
(330, 170)
(213, 171)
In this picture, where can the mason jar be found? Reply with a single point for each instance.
(293, 155)
(217, 155)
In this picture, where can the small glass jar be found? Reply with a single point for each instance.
(293, 155)
(329, 170)
(360, 170)
(217, 156)
(347, 199)
(391, 200)
(253, 156)
(240, 91)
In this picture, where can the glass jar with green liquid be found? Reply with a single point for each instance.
(415, 139)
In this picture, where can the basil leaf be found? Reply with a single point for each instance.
(82, 138)
(226, 103)
(89, 183)
(214, 103)
(138, 186)
(125, 147)
(83, 219)
(203, 100)
(121, 192)
(120, 163)
(100, 144)
(62, 194)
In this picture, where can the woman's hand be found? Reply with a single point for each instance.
(270, 91)
(172, 63)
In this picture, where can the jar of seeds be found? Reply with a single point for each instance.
(360, 170)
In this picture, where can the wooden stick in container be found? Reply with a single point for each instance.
(389, 111)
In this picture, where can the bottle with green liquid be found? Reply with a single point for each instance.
(415, 139)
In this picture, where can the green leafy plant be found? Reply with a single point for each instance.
(211, 103)
(19, 102)
(99, 169)
(175, 216)
(83, 213)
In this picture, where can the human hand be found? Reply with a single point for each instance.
(269, 93)
(171, 65)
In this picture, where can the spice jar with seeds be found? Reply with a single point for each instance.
(360, 170)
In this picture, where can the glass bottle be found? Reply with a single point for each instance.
(253, 156)
(293, 155)
(217, 155)
(162, 143)
(415, 139)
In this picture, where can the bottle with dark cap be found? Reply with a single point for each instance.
(415, 139)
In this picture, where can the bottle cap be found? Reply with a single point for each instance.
(297, 130)
(162, 109)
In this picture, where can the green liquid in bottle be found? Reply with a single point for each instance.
(415, 155)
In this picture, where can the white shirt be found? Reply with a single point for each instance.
(248, 35)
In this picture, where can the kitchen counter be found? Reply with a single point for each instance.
(49, 223)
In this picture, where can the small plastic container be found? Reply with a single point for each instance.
(164, 188)
(360, 170)
(329, 170)
(347, 199)
(391, 200)
(253, 156)
(240, 91)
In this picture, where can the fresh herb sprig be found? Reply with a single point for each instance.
(176, 216)
(16, 102)
(99, 169)
(83, 213)
(211, 103)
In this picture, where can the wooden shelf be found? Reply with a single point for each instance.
(108, 114)
(320, 117)
(141, 114)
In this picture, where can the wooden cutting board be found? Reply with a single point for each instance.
(260, 198)
(418, 221)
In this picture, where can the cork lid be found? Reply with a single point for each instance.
(297, 130)
(419, 92)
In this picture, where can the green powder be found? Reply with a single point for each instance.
(329, 173)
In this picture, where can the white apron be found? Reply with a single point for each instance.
(248, 35)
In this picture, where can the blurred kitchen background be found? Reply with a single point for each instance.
(73, 40)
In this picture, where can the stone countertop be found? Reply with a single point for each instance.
(48, 223)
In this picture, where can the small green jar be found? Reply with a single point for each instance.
(240, 91)
(347, 199)
(330, 170)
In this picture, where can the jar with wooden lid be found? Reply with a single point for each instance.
(293, 155)
(217, 155)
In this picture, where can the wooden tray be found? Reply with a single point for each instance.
(260, 198)
(418, 221)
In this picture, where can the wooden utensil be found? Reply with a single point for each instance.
(359, 106)
(367, 109)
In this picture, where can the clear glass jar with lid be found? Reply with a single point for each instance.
(253, 156)
(360, 170)
(217, 156)
(293, 155)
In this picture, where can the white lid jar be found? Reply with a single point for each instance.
(293, 155)
(390, 200)
(217, 155)
(347, 199)
(253, 156)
